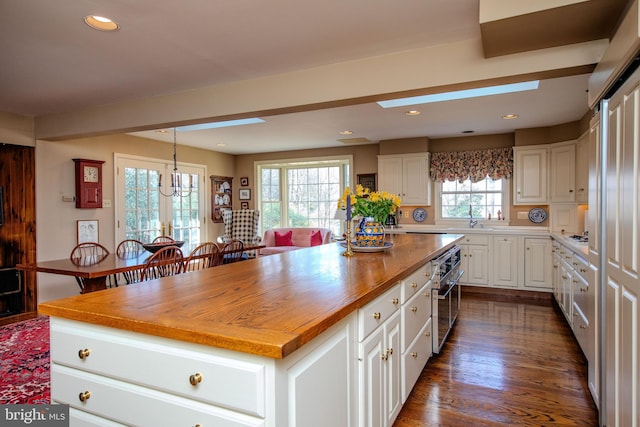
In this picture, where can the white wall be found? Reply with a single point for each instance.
(56, 220)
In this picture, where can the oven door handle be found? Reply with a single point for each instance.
(446, 294)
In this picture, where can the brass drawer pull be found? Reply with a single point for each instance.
(376, 316)
(83, 354)
(395, 301)
(414, 285)
(427, 334)
(84, 396)
(195, 379)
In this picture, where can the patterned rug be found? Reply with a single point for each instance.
(24, 362)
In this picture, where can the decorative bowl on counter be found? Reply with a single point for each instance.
(155, 247)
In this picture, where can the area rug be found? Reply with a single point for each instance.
(24, 362)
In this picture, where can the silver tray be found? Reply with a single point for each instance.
(355, 248)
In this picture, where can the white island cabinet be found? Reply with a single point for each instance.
(136, 379)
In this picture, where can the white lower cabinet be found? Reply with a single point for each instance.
(474, 250)
(538, 263)
(505, 261)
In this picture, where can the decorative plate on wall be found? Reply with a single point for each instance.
(537, 215)
(419, 214)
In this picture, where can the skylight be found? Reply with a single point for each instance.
(460, 94)
(226, 123)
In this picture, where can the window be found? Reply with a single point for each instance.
(302, 193)
(459, 199)
(142, 213)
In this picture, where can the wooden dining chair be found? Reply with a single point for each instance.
(128, 248)
(233, 251)
(205, 255)
(167, 261)
(163, 239)
(88, 253)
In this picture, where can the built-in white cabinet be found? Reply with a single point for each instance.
(530, 175)
(563, 173)
(505, 261)
(582, 169)
(379, 356)
(406, 175)
(474, 252)
(538, 264)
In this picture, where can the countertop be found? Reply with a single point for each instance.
(482, 228)
(581, 248)
(269, 306)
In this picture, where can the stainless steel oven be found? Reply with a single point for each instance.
(446, 273)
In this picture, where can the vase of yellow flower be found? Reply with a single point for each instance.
(373, 208)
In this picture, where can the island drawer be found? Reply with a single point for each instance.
(230, 382)
(134, 405)
(415, 313)
(415, 358)
(413, 283)
(377, 311)
(475, 239)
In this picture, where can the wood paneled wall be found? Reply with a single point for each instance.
(18, 233)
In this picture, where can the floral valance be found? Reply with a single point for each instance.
(475, 165)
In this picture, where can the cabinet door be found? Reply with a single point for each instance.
(372, 380)
(530, 177)
(415, 181)
(475, 263)
(582, 169)
(393, 371)
(505, 261)
(563, 173)
(390, 175)
(537, 263)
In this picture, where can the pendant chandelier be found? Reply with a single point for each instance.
(176, 189)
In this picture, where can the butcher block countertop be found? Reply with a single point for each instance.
(269, 306)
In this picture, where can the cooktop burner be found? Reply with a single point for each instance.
(579, 238)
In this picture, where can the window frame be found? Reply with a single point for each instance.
(346, 179)
(464, 222)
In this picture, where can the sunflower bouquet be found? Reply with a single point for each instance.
(377, 204)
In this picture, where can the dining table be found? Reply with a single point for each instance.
(95, 273)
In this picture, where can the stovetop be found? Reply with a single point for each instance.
(579, 238)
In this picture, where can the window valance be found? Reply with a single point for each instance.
(476, 165)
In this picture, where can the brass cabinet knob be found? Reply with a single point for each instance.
(414, 354)
(395, 301)
(414, 285)
(376, 316)
(84, 396)
(583, 326)
(195, 379)
(414, 309)
(427, 294)
(84, 353)
(427, 334)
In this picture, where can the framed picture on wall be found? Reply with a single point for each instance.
(244, 181)
(87, 231)
(244, 194)
(367, 180)
(244, 205)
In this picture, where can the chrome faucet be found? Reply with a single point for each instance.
(472, 222)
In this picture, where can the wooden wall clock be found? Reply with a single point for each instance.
(88, 183)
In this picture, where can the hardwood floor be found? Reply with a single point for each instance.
(508, 361)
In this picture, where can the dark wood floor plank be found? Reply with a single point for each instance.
(511, 361)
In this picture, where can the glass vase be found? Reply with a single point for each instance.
(369, 233)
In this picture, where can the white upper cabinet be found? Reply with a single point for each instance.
(530, 175)
(582, 169)
(563, 173)
(406, 175)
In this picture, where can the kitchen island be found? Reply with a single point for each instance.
(270, 341)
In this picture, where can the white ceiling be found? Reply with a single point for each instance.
(53, 63)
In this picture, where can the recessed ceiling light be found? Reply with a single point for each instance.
(460, 94)
(346, 132)
(221, 144)
(412, 113)
(101, 23)
(510, 116)
(162, 131)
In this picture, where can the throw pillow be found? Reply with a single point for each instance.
(284, 239)
(316, 238)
